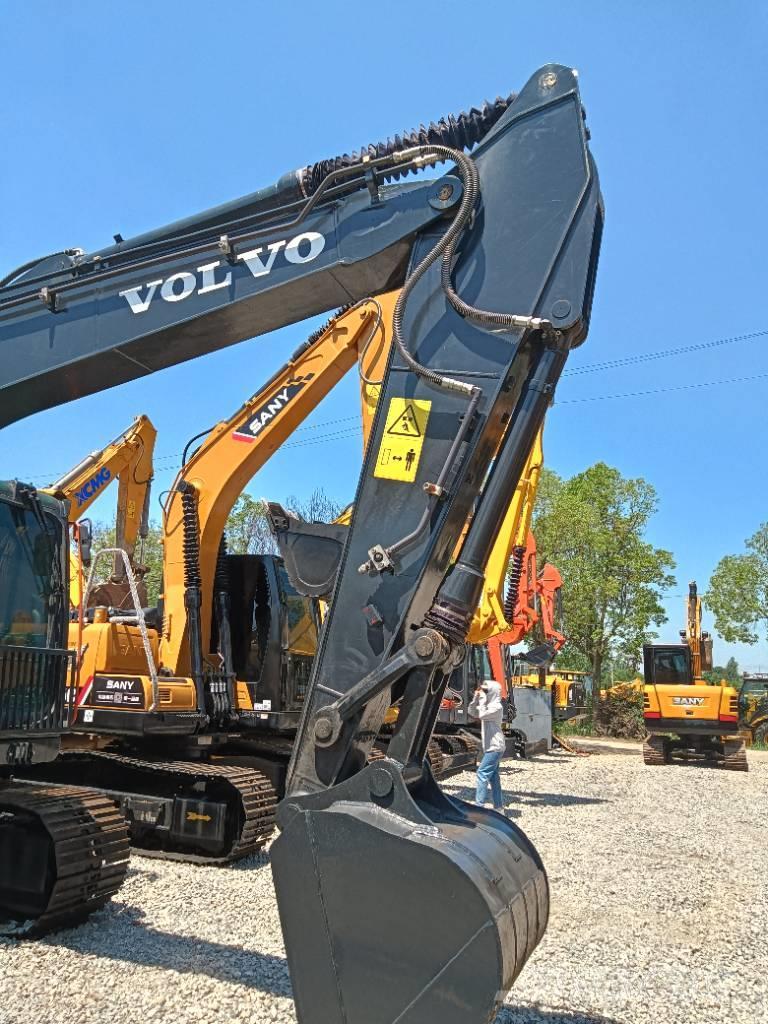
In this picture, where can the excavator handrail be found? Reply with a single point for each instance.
(139, 619)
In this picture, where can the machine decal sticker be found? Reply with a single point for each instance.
(269, 410)
(689, 702)
(400, 448)
(117, 692)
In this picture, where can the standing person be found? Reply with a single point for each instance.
(486, 705)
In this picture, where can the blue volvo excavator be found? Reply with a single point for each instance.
(496, 260)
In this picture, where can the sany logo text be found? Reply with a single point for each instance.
(298, 250)
(95, 484)
(268, 410)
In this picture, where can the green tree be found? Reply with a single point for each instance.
(248, 528)
(248, 531)
(738, 592)
(592, 528)
(730, 672)
(150, 557)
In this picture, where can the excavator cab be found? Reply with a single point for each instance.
(667, 664)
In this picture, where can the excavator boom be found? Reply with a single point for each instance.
(129, 460)
(331, 233)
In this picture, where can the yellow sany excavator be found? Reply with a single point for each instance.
(129, 460)
(187, 713)
(686, 717)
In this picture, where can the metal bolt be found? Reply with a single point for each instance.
(323, 729)
(377, 556)
(548, 80)
(424, 646)
(380, 782)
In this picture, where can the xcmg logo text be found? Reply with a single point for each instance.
(95, 484)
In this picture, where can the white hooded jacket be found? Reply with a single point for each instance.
(488, 708)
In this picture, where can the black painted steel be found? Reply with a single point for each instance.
(458, 895)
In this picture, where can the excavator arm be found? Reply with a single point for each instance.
(127, 459)
(462, 384)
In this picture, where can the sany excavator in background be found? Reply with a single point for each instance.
(686, 717)
(187, 714)
(496, 261)
(129, 460)
(753, 707)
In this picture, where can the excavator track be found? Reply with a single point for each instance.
(65, 854)
(253, 790)
(435, 758)
(180, 810)
(735, 756)
(653, 751)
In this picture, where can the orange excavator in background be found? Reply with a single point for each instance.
(686, 717)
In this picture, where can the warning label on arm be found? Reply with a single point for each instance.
(401, 445)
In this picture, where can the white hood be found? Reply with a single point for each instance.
(492, 695)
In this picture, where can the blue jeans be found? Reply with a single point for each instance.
(488, 775)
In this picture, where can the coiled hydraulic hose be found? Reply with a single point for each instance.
(456, 131)
(225, 705)
(190, 522)
(513, 582)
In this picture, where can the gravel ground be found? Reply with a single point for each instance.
(659, 912)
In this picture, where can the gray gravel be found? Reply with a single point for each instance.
(659, 914)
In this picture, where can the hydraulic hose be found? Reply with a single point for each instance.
(513, 582)
(456, 131)
(192, 587)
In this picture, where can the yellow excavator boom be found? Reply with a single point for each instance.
(237, 448)
(128, 459)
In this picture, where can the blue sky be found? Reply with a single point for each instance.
(123, 117)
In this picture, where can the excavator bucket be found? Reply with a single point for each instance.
(460, 902)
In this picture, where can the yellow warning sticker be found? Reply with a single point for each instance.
(403, 439)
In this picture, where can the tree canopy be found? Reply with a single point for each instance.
(738, 592)
(592, 528)
(247, 527)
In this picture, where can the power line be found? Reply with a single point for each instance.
(644, 357)
(663, 390)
